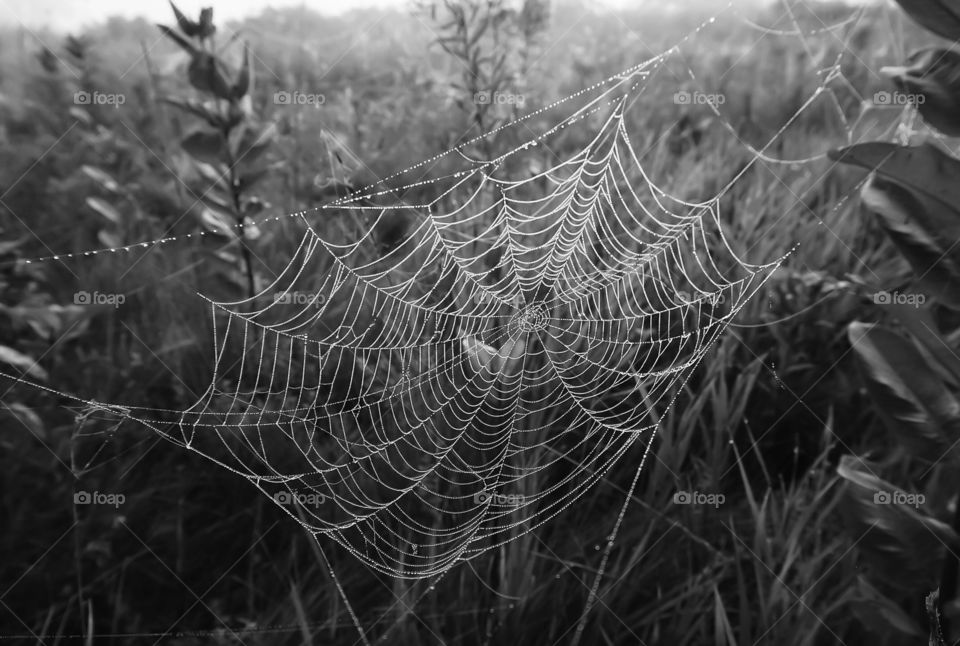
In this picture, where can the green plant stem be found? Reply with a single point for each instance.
(238, 214)
(247, 256)
(209, 45)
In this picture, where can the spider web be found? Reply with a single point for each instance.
(423, 403)
(426, 397)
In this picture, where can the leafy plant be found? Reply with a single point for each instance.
(229, 147)
(914, 194)
(492, 44)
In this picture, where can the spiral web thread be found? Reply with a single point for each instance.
(421, 403)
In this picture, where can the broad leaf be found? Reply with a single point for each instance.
(105, 209)
(932, 76)
(189, 27)
(902, 546)
(217, 178)
(19, 360)
(218, 222)
(942, 17)
(924, 169)
(198, 108)
(918, 321)
(913, 400)
(102, 178)
(185, 44)
(205, 146)
(925, 231)
(244, 82)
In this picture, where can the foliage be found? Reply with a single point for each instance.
(230, 147)
(764, 423)
(913, 382)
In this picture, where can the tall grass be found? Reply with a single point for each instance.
(195, 548)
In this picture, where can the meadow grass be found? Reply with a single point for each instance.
(762, 421)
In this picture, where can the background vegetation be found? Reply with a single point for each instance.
(765, 421)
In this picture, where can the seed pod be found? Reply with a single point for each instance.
(206, 73)
(207, 28)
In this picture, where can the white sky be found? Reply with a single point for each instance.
(73, 15)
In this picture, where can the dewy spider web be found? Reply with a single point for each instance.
(424, 401)
(403, 403)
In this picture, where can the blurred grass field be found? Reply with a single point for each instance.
(763, 420)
